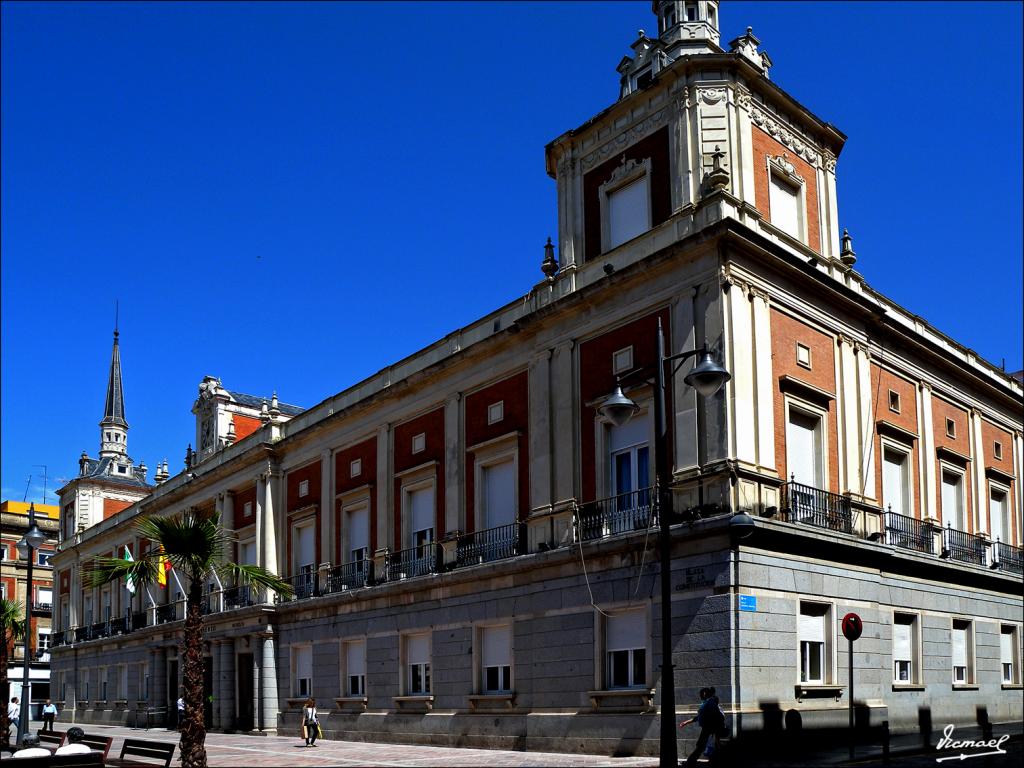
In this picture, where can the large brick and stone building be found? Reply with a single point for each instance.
(471, 542)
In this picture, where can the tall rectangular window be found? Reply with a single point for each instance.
(1009, 654)
(43, 641)
(44, 597)
(421, 519)
(86, 610)
(962, 652)
(358, 527)
(804, 461)
(953, 511)
(904, 649)
(628, 212)
(499, 494)
(626, 650)
(417, 662)
(784, 202)
(998, 514)
(496, 659)
(355, 668)
(304, 559)
(896, 481)
(302, 662)
(811, 631)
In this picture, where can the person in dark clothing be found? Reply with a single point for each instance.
(711, 721)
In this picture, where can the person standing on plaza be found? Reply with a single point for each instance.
(13, 713)
(181, 712)
(310, 722)
(49, 713)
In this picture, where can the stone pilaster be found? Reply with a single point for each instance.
(454, 498)
(225, 680)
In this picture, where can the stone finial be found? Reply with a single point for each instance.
(190, 456)
(718, 177)
(231, 436)
(83, 463)
(846, 253)
(275, 408)
(549, 266)
(264, 413)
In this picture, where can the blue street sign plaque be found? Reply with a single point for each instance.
(748, 602)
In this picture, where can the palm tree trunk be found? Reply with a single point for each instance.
(193, 729)
(5, 691)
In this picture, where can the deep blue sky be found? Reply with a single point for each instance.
(293, 196)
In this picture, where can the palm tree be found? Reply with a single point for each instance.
(194, 545)
(12, 628)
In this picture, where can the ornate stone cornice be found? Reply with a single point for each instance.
(712, 96)
(781, 133)
(624, 139)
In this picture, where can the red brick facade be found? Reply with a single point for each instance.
(112, 506)
(344, 481)
(431, 425)
(764, 146)
(883, 383)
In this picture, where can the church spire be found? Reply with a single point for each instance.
(113, 427)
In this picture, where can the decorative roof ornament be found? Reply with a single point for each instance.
(264, 413)
(162, 472)
(231, 436)
(846, 253)
(189, 457)
(275, 408)
(549, 266)
(746, 46)
(718, 177)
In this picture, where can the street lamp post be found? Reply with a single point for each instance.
(27, 547)
(707, 377)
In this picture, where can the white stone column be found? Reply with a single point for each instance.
(764, 382)
(867, 426)
(744, 175)
(847, 449)
(268, 683)
(684, 398)
(539, 428)
(564, 416)
(454, 495)
(929, 488)
(980, 487)
(384, 509)
(833, 207)
(260, 513)
(679, 149)
(1018, 471)
(215, 658)
(326, 506)
(271, 557)
(740, 362)
(569, 184)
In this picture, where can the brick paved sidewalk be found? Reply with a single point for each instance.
(228, 750)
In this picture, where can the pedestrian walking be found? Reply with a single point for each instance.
(711, 720)
(181, 712)
(310, 722)
(13, 715)
(49, 713)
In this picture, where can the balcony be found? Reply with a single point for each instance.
(304, 585)
(354, 575)
(414, 561)
(490, 544)
(624, 513)
(909, 533)
(1009, 558)
(45, 609)
(166, 613)
(241, 597)
(964, 547)
(813, 506)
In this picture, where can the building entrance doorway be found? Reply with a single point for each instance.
(244, 673)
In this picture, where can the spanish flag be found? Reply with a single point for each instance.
(162, 567)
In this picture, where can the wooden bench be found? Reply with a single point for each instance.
(98, 743)
(134, 748)
(90, 760)
(51, 739)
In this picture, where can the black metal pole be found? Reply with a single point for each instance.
(669, 753)
(851, 698)
(26, 684)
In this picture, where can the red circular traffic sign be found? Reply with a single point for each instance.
(852, 626)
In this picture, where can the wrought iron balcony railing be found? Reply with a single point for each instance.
(304, 585)
(166, 613)
(414, 561)
(813, 506)
(354, 575)
(240, 597)
(964, 547)
(42, 607)
(490, 544)
(624, 513)
(909, 533)
(1009, 558)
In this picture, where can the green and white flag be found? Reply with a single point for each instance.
(129, 584)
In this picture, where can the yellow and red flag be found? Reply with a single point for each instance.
(162, 567)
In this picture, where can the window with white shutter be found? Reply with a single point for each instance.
(496, 659)
(355, 668)
(961, 652)
(904, 648)
(953, 500)
(421, 518)
(1009, 653)
(811, 631)
(358, 528)
(417, 660)
(784, 204)
(628, 212)
(302, 670)
(896, 481)
(626, 650)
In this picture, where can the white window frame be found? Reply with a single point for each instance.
(915, 648)
(351, 503)
(423, 668)
(348, 690)
(303, 488)
(308, 570)
(122, 686)
(495, 412)
(355, 468)
(622, 360)
(828, 649)
(419, 443)
(906, 452)
(418, 481)
(962, 523)
(997, 450)
(898, 401)
(296, 682)
(785, 172)
(806, 359)
(605, 461)
(969, 650)
(42, 632)
(1014, 678)
(504, 671)
(493, 453)
(950, 428)
(43, 558)
(627, 173)
(606, 665)
(791, 403)
(247, 509)
(1006, 522)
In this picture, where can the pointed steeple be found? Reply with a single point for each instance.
(113, 427)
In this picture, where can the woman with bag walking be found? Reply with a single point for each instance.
(310, 722)
(711, 720)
